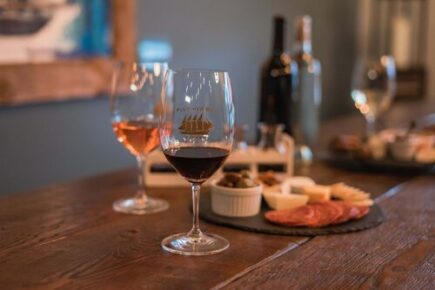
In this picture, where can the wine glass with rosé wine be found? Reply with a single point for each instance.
(135, 107)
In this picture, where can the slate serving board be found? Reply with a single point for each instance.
(347, 161)
(259, 224)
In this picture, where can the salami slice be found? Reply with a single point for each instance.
(328, 212)
(302, 216)
(349, 212)
(363, 211)
(317, 214)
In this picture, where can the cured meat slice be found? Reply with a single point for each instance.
(301, 216)
(349, 212)
(363, 211)
(317, 214)
(328, 212)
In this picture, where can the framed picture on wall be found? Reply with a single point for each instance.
(54, 50)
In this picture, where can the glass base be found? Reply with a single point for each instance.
(303, 155)
(140, 206)
(205, 244)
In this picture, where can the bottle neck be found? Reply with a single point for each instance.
(278, 37)
(303, 35)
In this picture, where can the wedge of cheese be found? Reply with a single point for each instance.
(425, 155)
(290, 201)
(357, 197)
(278, 201)
(317, 192)
(343, 191)
(351, 194)
(274, 188)
(295, 183)
(270, 198)
(365, 202)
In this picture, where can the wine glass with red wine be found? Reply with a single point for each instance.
(135, 107)
(196, 136)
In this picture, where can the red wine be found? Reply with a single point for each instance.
(196, 164)
(277, 81)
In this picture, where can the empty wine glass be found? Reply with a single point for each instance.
(373, 88)
(135, 107)
(196, 136)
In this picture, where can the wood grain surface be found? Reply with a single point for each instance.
(66, 236)
(399, 254)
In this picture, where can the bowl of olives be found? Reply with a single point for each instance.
(236, 195)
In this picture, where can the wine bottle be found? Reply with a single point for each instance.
(277, 82)
(308, 91)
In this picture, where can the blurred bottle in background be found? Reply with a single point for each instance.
(277, 81)
(308, 92)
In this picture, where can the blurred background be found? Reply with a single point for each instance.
(49, 141)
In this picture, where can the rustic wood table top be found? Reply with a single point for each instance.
(67, 236)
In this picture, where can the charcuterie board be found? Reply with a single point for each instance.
(260, 225)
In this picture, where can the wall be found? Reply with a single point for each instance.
(363, 41)
(49, 143)
(236, 36)
(430, 56)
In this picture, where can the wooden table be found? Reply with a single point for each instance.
(68, 236)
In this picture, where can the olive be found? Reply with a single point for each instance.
(246, 174)
(233, 177)
(245, 183)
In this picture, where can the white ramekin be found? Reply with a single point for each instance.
(403, 150)
(235, 202)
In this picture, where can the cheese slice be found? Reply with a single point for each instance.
(293, 184)
(425, 155)
(290, 201)
(280, 201)
(270, 197)
(346, 192)
(317, 192)
(365, 202)
(274, 188)
(357, 197)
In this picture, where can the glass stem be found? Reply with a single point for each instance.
(195, 232)
(370, 125)
(141, 192)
